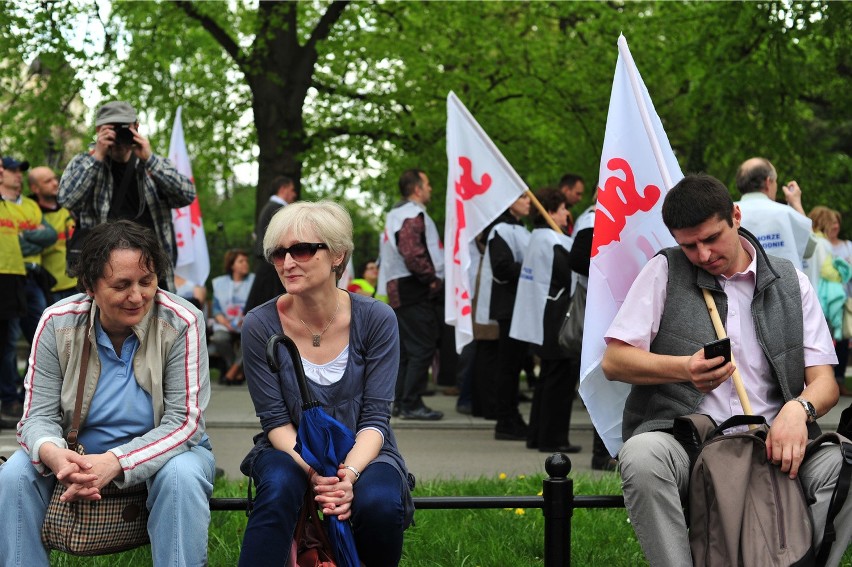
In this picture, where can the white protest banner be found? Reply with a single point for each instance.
(480, 185)
(637, 168)
(193, 261)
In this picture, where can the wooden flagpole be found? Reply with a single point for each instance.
(720, 333)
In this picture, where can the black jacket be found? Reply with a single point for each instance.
(505, 269)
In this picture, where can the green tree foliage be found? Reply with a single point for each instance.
(729, 81)
(41, 77)
(232, 65)
(344, 96)
(757, 78)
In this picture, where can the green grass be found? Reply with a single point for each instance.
(443, 538)
(456, 538)
(513, 536)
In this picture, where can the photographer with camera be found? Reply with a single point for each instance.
(122, 178)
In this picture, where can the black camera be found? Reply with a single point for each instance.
(123, 135)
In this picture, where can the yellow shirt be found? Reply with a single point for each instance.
(11, 259)
(53, 257)
(27, 216)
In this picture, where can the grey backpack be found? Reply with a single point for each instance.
(743, 511)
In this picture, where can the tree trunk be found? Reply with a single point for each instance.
(279, 71)
(280, 136)
(282, 71)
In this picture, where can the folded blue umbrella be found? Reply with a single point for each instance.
(323, 442)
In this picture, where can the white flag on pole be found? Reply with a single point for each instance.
(637, 168)
(347, 276)
(480, 185)
(193, 261)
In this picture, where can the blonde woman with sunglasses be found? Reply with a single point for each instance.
(349, 345)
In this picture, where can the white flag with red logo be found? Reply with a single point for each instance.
(193, 261)
(480, 185)
(347, 276)
(637, 168)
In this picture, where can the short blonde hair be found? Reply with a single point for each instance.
(328, 220)
(823, 217)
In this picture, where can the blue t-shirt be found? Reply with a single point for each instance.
(120, 410)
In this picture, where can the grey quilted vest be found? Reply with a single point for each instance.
(685, 326)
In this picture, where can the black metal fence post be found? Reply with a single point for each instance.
(558, 507)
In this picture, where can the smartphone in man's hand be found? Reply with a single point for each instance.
(721, 347)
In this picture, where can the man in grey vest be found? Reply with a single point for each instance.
(781, 345)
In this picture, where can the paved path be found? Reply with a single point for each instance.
(459, 446)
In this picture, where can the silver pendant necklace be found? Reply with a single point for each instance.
(317, 337)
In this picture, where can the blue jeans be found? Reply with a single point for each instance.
(9, 377)
(178, 498)
(8, 363)
(377, 512)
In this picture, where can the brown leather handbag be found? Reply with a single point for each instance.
(116, 522)
(311, 547)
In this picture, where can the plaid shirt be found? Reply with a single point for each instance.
(86, 185)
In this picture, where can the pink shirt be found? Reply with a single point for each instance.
(638, 321)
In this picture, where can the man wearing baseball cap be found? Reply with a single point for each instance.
(26, 220)
(13, 303)
(121, 178)
(13, 176)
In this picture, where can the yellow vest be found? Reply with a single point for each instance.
(53, 257)
(11, 259)
(27, 216)
(363, 284)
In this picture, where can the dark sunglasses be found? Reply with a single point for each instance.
(299, 252)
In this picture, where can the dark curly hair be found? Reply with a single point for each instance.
(118, 235)
(694, 199)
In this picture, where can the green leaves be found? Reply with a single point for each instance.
(344, 96)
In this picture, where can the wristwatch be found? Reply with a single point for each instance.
(809, 409)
